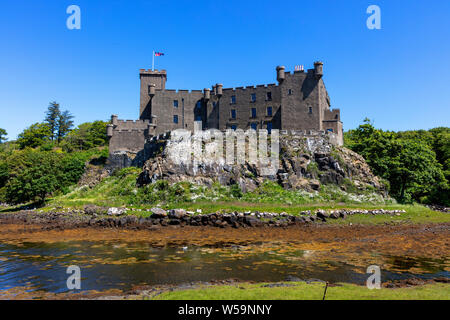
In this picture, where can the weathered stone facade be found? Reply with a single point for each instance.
(299, 101)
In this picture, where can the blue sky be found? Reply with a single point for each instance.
(398, 76)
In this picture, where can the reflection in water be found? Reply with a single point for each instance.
(107, 265)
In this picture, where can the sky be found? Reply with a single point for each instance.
(397, 76)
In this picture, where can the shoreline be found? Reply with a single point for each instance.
(115, 218)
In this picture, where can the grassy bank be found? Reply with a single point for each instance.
(119, 190)
(304, 291)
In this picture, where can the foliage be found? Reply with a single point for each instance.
(51, 118)
(34, 136)
(59, 123)
(414, 162)
(86, 136)
(31, 175)
(65, 123)
(3, 135)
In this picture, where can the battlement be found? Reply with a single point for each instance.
(150, 71)
(270, 85)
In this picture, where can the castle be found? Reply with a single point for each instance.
(298, 102)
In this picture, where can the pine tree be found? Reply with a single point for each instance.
(64, 123)
(52, 115)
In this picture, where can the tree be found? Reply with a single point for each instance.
(32, 175)
(406, 159)
(3, 135)
(34, 136)
(52, 115)
(87, 135)
(64, 124)
(413, 170)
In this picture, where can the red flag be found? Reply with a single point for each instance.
(157, 54)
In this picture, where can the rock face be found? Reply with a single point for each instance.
(305, 162)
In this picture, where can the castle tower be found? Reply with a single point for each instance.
(151, 81)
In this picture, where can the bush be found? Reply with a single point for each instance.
(32, 175)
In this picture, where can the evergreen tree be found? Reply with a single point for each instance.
(64, 124)
(52, 115)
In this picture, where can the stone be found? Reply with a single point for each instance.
(321, 214)
(334, 215)
(116, 211)
(158, 213)
(177, 213)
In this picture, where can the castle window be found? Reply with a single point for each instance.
(310, 109)
(253, 97)
(233, 127)
(233, 99)
(269, 111)
(330, 130)
(175, 103)
(233, 113)
(269, 96)
(289, 91)
(175, 119)
(253, 115)
(269, 127)
(254, 125)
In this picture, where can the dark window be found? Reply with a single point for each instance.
(233, 99)
(253, 97)
(269, 96)
(175, 119)
(233, 127)
(269, 111)
(269, 127)
(310, 109)
(233, 113)
(253, 112)
(175, 103)
(289, 91)
(330, 130)
(254, 125)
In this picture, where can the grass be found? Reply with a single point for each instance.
(119, 190)
(312, 291)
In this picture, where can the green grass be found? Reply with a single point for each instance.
(119, 190)
(312, 291)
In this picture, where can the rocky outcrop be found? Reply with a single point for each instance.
(306, 162)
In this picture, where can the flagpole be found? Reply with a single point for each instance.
(153, 61)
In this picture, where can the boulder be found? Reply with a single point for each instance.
(177, 213)
(116, 211)
(158, 213)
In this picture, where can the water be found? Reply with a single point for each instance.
(116, 265)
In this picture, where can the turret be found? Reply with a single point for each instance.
(318, 69)
(151, 90)
(280, 74)
(219, 88)
(206, 94)
(109, 130)
(114, 119)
